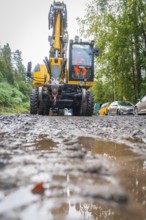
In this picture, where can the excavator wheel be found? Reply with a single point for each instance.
(87, 105)
(90, 104)
(43, 107)
(46, 107)
(34, 102)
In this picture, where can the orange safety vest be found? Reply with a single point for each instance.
(84, 71)
(77, 70)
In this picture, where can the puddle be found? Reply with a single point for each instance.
(17, 199)
(132, 171)
(117, 152)
(134, 140)
(63, 195)
(132, 175)
(89, 211)
(46, 144)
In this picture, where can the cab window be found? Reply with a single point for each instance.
(81, 62)
(37, 68)
(81, 55)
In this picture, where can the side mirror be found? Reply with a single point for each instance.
(96, 51)
(29, 67)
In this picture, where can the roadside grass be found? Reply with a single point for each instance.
(12, 101)
(19, 109)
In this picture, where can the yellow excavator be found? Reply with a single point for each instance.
(61, 84)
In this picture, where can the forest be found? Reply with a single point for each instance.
(15, 87)
(118, 28)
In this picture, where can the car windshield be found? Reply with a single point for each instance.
(125, 103)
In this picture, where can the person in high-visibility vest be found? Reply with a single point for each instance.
(78, 61)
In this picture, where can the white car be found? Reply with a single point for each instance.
(140, 107)
(121, 108)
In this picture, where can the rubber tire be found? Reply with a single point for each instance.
(87, 107)
(44, 107)
(41, 108)
(34, 102)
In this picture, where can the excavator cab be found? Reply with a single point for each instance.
(81, 62)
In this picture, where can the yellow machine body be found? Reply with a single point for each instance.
(40, 75)
(81, 83)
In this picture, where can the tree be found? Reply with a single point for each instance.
(6, 63)
(19, 67)
(118, 28)
(14, 89)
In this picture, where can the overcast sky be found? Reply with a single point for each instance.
(24, 25)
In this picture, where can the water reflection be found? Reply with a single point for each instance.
(74, 209)
(144, 164)
(62, 198)
(132, 174)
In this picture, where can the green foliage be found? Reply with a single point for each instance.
(26, 105)
(119, 30)
(13, 110)
(6, 63)
(1, 77)
(25, 88)
(9, 95)
(14, 90)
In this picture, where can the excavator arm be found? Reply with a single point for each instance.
(58, 41)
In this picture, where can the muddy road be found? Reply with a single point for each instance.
(72, 168)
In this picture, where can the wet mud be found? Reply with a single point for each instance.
(62, 167)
